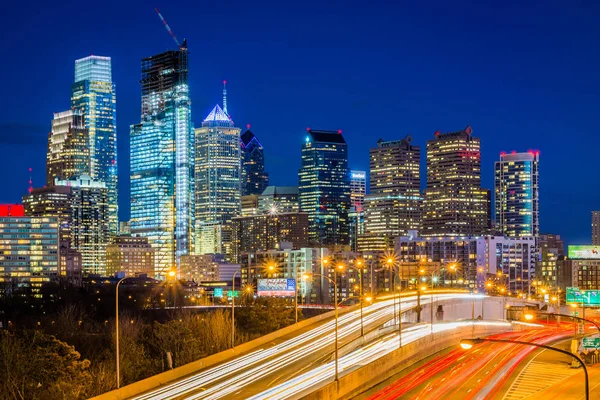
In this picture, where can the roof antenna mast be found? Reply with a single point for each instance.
(225, 98)
(168, 28)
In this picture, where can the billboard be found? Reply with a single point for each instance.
(276, 287)
(584, 252)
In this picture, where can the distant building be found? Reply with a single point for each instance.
(455, 203)
(70, 264)
(281, 199)
(93, 94)
(267, 231)
(552, 251)
(218, 181)
(52, 201)
(517, 194)
(356, 226)
(125, 228)
(249, 205)
(89, 221)
(162, 159)
(68, 147)
(30, 252)
(393, 206)
(324, 187)
(583, 265)
(131, 255)
(199, 268)
(358, 188)
(254, 178)
(596, 227)
(475, 259)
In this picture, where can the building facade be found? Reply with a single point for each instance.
(393, 206)
(279, 199)
(162, 160)
(130, 255)
(472, 260)
(596, 227)
(268, 231)
(68, 147)
(52, 201)
(89, 219)
(324, 188)
(455, 203)
(358, 188)
(30, 252)
(218, 181)
(254, 177)
(552, 253)
(93, 95)
(517, 194)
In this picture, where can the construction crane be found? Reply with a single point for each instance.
(168, 28)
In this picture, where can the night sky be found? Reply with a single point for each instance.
(523, 74)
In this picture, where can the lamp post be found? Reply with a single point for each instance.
(117, 329)
(359, 263)
(233, 308)
(306, 276)
(468, 343)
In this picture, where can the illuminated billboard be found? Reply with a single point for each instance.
(276, 287)
(585, 252)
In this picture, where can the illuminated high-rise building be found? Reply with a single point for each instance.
(455, 203)
(52, 201)
(393, 206)
(93, 94)
(68, 147)
(89, 221)
(162, 160)
(358, 188)
(596, 227)
(324, 187)
(254, 178)
(218, 181)
(517, 194)
(278, 199)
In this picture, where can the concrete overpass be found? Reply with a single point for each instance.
(274, 360)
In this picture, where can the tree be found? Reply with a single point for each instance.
(263, 315)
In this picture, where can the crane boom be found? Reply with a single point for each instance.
(168, 28)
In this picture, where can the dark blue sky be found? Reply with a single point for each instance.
(524, 75)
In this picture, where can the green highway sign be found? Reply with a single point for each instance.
(237, 293)
(585, 297)
(591, 343)
(218, 292)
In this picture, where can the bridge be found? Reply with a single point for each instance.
(298, 360)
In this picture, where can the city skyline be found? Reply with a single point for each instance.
(506, 129)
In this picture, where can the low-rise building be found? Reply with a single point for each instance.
(131, 255)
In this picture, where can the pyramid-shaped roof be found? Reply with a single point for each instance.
(217, 115)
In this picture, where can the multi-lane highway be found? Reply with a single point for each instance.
(478, 373)
(281, 363)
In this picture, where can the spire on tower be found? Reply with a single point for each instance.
(225, 98)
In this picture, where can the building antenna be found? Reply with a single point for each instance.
(168, 28)
(225, 98)
(30, 189)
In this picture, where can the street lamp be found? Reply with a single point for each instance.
(233, 308)
(468, 344)
(117, 329)
(360, 294)
(307, 276)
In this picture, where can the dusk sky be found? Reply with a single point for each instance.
(523, 74)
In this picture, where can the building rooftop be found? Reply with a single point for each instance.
(248, 137)
(326, 136)
(217, 115)
(280, 190)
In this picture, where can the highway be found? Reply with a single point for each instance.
(478, 373)
(249, 374)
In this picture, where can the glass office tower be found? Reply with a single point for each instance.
(254, 180)
(324, 187)
(93, 94)
(161, 158)
(517, 194)
(68, 147)
(218, 182)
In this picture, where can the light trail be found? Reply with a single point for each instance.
(231, 376)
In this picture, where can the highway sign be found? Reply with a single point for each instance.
(585, 297)
(218, 292)
(591, 343)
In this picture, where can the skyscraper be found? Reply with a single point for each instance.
(93, 94)
(278, 199)
(358, 188)
(455, 203)
(89, 221)
(393, 206)
(254, 178)
(161, 158)
(68, 147)
(218, 182)
(324, 187)
(517, 194)
(596, 227)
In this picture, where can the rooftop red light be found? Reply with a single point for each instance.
(12, 210)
